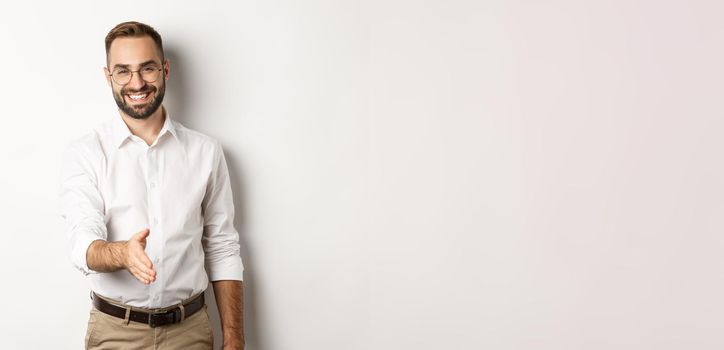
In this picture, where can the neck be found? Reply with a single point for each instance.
(147, 129)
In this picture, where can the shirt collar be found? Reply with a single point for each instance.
(121, 131)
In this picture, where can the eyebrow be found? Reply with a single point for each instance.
(140, 65)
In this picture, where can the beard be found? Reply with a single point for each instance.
(142, 111)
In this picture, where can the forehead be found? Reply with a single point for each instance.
(132, 51)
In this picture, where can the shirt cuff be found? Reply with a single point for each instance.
(229, 268)
(81, 250)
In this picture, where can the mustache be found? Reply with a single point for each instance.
(144, 90)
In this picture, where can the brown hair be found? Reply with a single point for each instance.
(133, 29)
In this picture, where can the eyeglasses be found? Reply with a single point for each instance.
(123, 76)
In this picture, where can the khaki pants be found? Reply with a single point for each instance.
(109, 332)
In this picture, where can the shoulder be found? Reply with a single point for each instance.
(84, 154)
(196, 140)
(89, 146)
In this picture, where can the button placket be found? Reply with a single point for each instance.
(155, 289)
(153, 192)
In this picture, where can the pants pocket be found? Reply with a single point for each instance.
(208, 325)
(92, 322)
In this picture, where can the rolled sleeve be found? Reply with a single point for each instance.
(220, 239)
(81, 203)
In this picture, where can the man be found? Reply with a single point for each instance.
(148, 204)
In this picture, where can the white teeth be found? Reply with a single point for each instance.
(138, 97)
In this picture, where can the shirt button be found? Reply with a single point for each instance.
(155, 221)
(156, 260)
(153, 184)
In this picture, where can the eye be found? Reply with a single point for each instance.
(121, 71)
(149, 69)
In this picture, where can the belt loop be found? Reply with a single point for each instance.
(183, 314)
(127, 319)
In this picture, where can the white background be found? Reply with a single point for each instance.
(407, 174)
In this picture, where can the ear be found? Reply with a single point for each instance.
(166, 68)
(106, 73)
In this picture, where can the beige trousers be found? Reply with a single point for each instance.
(109, 332)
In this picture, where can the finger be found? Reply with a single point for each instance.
(144, 264)
(144, 260)
(139, 275)
(138, 253)
(144, 276)
(141, 235)
(141, 272)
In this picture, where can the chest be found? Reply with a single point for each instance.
(161, 187)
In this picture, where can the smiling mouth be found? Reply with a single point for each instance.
(139, 97)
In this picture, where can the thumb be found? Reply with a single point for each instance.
(141, 235)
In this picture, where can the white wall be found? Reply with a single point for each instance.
(407, 174)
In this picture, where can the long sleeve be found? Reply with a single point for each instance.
(81, 203)
(220, 239)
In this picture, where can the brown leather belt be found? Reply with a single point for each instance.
(153, 319)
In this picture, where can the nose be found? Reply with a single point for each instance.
(136, 82)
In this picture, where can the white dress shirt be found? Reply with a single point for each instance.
(115, 185)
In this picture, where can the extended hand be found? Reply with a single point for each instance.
(136, 261)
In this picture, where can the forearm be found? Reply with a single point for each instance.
(103, 256)
(230, 301)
